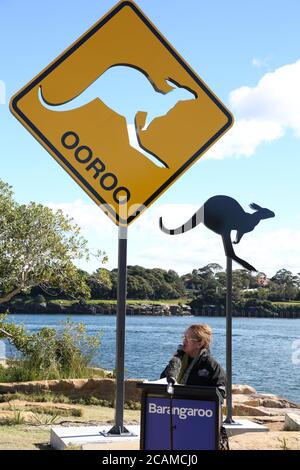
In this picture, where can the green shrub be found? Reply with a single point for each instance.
(132, 405)
(94, 401)
(55, 411)
(49, 354)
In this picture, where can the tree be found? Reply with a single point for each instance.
(37, 248)
(138, 288)
(100, 283)
(285, 286)
(283, 277)
(241, 279)
(195, 279)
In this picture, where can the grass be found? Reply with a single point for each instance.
(17, 418)
(49, 397)
(44, 419)
(48, 410)
(20, 412)
(35, 397)
(34, 436)
(22, 437)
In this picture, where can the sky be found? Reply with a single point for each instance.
(248, 54)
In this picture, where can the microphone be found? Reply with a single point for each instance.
(180, 352)
(172, 372)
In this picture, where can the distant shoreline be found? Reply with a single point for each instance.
(143, 308)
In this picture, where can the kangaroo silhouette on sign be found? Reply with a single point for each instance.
(137, 94)
(222, 214)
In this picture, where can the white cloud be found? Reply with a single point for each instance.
(260, 62)
(266, 248)
(276, 98)
(263, 113)
(89, 217)
(244, 138)
(257, 62)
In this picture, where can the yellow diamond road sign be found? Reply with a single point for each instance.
(122, 171)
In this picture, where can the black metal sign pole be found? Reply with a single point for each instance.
(229, 419)
(119, 428)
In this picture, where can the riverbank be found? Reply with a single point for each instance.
(100, 307)
(180, 307)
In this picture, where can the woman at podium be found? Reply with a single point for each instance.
(193, 364)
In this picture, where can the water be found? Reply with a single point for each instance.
(263, 354)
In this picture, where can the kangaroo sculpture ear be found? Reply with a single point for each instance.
(254, 206)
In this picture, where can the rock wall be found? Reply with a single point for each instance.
(246, 401)
(162, 309)
(97, 309)
(101, 388)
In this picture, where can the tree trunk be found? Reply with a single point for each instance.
(10, 295)
(5, 333)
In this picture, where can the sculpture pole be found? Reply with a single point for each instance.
(229, 419)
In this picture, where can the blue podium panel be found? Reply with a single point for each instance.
(192, 425)
(157, 421)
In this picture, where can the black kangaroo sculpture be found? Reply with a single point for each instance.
(221, 214)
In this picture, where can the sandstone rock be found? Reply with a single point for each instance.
(277, 411)
(253, 402)
(272, 403)
(100, 388)
(242, 399)
(132, 393)
(180, 309)
(266, 395)
(292, 422)
(23, 387)
(53, 307)
(63, 385)
(243, 389)
(278, 402)
(244, 410)
(277, 440)
(6, 388)
(246, 402)
(10, 416)
(21, 404)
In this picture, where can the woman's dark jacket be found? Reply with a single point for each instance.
(205, 371)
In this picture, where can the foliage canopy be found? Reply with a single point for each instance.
(37, 247)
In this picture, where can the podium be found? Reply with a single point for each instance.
(188, 419)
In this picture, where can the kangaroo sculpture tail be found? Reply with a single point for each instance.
(195, 220)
